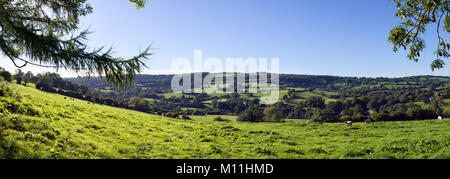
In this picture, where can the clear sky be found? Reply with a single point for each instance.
(320, 37)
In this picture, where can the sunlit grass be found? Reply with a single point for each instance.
(76, 129)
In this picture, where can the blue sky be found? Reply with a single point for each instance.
(320, 37)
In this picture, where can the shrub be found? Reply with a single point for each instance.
(359, 118)
(381, 117)
(420, 114)
(138, 103)
(10, 105)
(220, 119)
(6, 75)
(324, 116)
(252, 114)
(398, 116)
(446, 113)
(5, 91)
(185, 117)
(171, 114)
(345, 118)
(315, 101)
(273, 114)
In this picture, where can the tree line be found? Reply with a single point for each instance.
(421, 99)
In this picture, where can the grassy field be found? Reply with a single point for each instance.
(76, 129)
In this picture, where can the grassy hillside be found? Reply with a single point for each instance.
(65, 128)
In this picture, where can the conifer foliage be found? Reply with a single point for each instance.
(43, 33)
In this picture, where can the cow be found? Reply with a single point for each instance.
(368, 121)
(348, 123)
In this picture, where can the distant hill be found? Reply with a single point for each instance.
(393, 94)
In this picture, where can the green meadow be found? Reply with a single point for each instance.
(65, 128)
